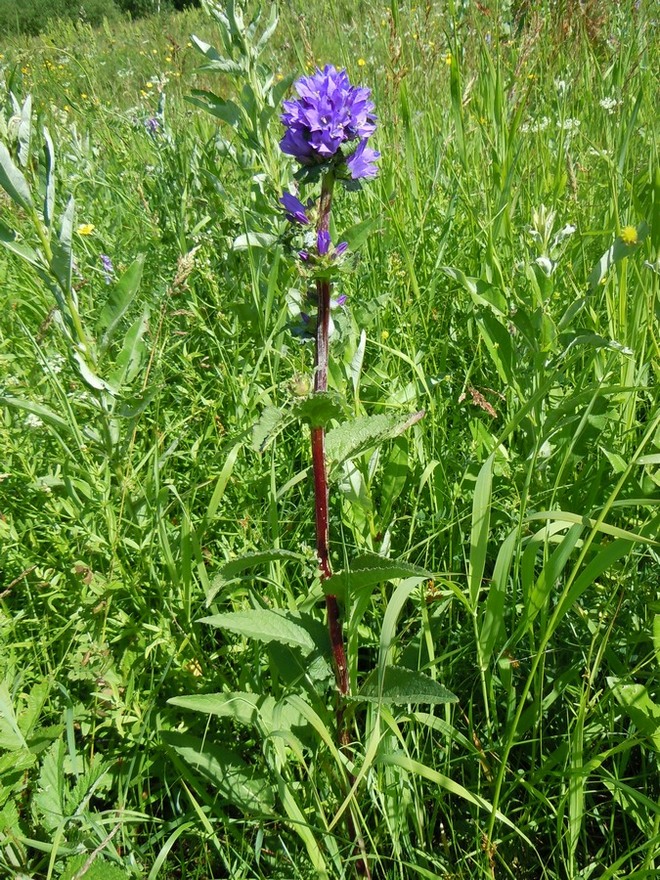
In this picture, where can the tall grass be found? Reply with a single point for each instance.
(508, 288)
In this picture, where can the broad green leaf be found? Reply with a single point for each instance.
(8, 239)
(416, 768)
(24, 133)
(12, 180)
(254, 239)
(242, 565)
(480, 527)
(129, 359)
(227, 111)
(264, 712)
(356, 235)
(62, 262)
(401, 686)
(49, 799)
(613, 255)
(11, 736)
(500, 348)
(352, 438)
(49, 194)
(265, 626)
(215, 61)
(99, 869)
(491, 630)
(37, 409)
(271, 421)
(367, 571)
(481, 292)
(120, 298)
(641, 709)
(319, 409)
(234, 780)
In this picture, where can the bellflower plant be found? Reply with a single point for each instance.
(327, 129)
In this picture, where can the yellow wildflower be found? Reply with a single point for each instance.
(448, 59)
(361, 62)
(385, 335)
(629, 235)
(86, 229)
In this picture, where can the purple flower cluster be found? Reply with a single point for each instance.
(329, 113)
(108, 268)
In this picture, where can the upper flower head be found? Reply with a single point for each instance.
(629, 235)
(328, 113)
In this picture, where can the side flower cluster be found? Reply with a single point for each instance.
(330, 123)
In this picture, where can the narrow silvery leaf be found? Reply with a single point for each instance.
(25, 132)
(62, 262)
(12, 180)
(49, 198)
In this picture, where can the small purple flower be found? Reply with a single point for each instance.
(152, 125)
(362, 162)
(340, 250)
(295, 210)
(303, 255)
(323, 242)
(328, 113)
(108, 268)
(340, 301)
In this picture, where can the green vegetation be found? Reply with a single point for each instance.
(154, 482)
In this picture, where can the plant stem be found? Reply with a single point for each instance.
(321, 496)
(321, 492)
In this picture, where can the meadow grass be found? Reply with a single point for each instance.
(508, 288)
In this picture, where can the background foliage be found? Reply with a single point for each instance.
(509, 288)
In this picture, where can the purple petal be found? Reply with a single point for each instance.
(341, 249)
(323, 241)
(362, 162)
(295, 210)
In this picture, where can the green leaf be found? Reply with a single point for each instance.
(234, 780)
(129, 360)
(8, 238)
(480, 527)
(319, 409)
(254, 239)
(11, 736)
(369, 570)
(263, 712)
(119, 300)
(49, 194)
(401, 686)
(49, 799)
(356, 235)
(481, 292)
(247, 563)
(640, 708)
(45, 414)
(24, 132)
(100, 869)
(271, 421)
(265, 626)
(352, 438)
(227, 111)
(12, 180)
(613, 255)
(492, 629)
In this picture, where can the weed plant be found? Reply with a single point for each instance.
(155, 475)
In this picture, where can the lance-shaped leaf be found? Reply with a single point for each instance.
(233, 779)
(62, 263)
(24, 134)
(8, 239)
(354, 437)
(49, 196)
(400, 686)
(227, 111)
(367, 571)
(244, 565)
(120, 298)
(264, 626)
(12, 180)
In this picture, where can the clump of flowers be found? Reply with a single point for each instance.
(330, 123)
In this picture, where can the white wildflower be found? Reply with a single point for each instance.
(562, 87)
(609, 105)
(570, 124)
(33, 421)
